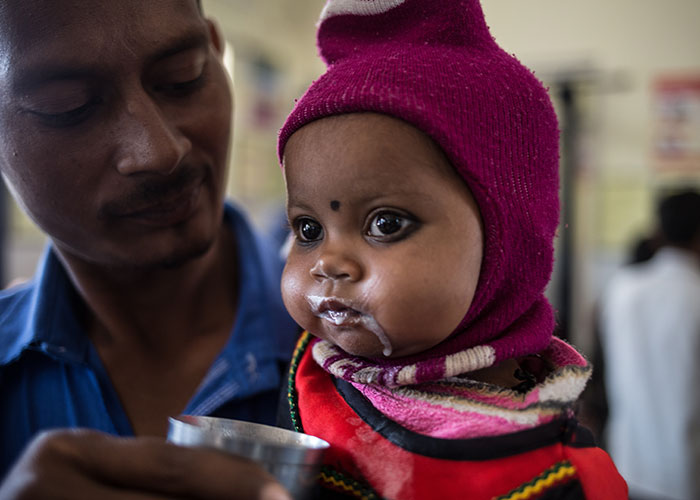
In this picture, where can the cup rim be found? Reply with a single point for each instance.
(194, 430)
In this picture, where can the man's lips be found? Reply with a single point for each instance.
(167, 205)
(160, 200)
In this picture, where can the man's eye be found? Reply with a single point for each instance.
(389, 226)
(308, 230)
(182, 74)
(68, 118)
(182, 85)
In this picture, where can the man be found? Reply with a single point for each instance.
(153, 298)
(650, 334)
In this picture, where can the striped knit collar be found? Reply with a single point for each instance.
(456, 406)
(365, 371)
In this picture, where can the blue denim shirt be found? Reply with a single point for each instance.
(51, 375)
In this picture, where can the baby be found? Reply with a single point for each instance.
(421, 174)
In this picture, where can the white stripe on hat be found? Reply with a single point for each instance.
(357, 7)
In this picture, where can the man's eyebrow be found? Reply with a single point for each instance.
(34, 77)
(194, 40)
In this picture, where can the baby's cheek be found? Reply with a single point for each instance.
(429, 313)
(294, 297)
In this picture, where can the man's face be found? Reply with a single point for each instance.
(114, 126)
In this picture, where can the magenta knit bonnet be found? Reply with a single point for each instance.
(435, 65)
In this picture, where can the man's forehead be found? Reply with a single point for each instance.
(75, 32)
(27, 21)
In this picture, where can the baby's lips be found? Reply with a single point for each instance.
(340, 317)
(335, 305)
(320, 304)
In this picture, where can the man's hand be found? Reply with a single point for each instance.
(86, 464)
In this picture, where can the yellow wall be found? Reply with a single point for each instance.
(281, 32)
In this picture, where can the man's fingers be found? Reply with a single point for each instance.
(274, 491)
(153, 465)
(48, 469)
(90, 464)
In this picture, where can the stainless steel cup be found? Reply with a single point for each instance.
(292, 457)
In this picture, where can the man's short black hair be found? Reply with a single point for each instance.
(679, 215)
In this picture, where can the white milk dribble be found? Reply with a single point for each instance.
(351, 315)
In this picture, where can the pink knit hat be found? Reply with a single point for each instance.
(434, 65)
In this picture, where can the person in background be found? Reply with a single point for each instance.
(650, 335)
(593, 410)
(643, 250)
(154, 297)
(422, 189)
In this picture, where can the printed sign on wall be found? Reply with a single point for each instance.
(677, 124)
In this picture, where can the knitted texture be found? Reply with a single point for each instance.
(459, 408)
(435, 66)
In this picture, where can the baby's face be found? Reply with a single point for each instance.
(388, 239)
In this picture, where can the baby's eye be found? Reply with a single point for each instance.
(390, 226)
(308, 230)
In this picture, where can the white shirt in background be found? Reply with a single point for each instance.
(651, 340)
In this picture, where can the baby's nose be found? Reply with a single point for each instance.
(336, 266)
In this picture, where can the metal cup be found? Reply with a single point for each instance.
(292, 457)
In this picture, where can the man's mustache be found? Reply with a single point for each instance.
(152, 192)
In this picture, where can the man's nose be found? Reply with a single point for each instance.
(150, 140)
(336, 264)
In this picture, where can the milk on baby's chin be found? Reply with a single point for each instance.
(339, 317)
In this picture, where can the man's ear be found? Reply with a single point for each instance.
(215, 34)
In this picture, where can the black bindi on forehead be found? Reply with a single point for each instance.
(335, 205)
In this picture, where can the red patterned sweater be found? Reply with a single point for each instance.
(372, 456)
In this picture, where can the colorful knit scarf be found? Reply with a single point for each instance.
(456, 406)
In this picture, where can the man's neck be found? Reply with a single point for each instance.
(146, 307)
(158, 332)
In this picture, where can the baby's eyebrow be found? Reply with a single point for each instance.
(295, 203)
(404, 192)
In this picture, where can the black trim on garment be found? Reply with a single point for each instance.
(572, 490)
(566, 431)
(284, 412)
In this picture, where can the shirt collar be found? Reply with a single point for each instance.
(263, 332)
(676, 256)
(49, 317)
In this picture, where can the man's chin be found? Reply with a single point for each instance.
(170, 259)
(177, 260)
(181, 257)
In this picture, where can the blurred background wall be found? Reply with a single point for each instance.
(625, 77)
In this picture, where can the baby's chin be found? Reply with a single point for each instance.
(377, 353)
(371, 351)
(356, 343)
